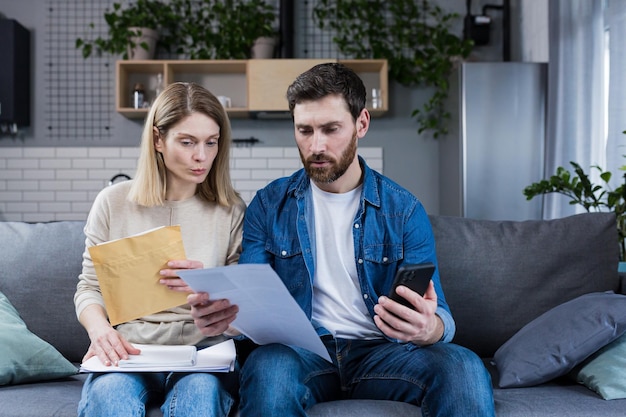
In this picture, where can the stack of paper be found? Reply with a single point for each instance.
(217, 358)
(161, 355)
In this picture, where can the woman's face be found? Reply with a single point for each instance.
(188, 149)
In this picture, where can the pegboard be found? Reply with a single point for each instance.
(312, 42)
(79, 92)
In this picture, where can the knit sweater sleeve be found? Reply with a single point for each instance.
(96, 231)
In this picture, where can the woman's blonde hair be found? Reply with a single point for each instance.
(177, 101)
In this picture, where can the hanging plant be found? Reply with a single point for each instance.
(414, 37)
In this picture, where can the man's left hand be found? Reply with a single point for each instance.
(420, 325)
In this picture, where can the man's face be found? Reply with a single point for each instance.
(327, 137)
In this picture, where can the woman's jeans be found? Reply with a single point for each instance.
(444, 379)
(126, 394)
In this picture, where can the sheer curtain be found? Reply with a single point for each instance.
(615, 139)
(576, 94)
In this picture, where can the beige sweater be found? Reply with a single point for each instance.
(211, 234)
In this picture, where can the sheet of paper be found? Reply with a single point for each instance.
(128, 273)
(267, 312)
(217, 358)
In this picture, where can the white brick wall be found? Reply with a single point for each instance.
(48, 183)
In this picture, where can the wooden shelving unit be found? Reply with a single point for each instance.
(254, 86)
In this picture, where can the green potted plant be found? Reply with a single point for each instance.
(592, 197)
(138, 25)
(225, 29)
(414, 37)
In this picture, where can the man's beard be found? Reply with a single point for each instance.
(335, 170)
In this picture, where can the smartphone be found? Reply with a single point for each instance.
(414, 276)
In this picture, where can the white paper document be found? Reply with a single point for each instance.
(267, 311)
(216, 358)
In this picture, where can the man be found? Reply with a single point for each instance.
(336, 232)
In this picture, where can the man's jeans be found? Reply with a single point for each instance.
(129, 394)
(444, 379)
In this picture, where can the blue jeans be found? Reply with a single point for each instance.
(443, 379)
(180, 394)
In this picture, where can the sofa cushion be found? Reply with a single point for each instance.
(603, 372)
(555, 342)
(39, 268)
(500, 275)
(23, 356)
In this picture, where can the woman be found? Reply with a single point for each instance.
(182, 179)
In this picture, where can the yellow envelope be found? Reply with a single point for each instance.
(128, 273)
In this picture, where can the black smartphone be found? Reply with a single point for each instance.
(414, 276)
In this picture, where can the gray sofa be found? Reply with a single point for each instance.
(497, 276)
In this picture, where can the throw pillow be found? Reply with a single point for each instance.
(603, 372)
(555, 342)
(24, 357)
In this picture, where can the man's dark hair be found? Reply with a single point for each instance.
(328, 79)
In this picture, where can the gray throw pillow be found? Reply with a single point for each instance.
(24, 357)
(555, 342)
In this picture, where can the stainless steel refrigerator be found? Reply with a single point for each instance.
(495, 144)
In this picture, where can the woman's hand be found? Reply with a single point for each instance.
(170, 276)
(109, 346)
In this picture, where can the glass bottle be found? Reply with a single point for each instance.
(139, 95)
(159, 86)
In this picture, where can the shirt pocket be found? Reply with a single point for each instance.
(383, 253)
(381, 263)
(288, 263)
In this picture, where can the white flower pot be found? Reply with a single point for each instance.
(263, 48)
(149, 36)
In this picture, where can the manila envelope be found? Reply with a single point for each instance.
(128, 273)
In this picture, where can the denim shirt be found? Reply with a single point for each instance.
(390, 228)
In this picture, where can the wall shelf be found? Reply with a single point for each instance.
(254, 86)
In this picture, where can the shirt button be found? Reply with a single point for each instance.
(284, 253)
(365, 296)
(360, 261)
(356, 226)
(385, 259)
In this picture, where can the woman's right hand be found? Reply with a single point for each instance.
(106, 342)
(109, 346)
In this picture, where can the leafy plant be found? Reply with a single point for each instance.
(152, 14)
(222, 29)
(197, 29)
(592, 197)
(414, 37)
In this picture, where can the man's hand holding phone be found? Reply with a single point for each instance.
(414, 276)
(415, 319)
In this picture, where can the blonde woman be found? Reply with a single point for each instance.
(182, 179)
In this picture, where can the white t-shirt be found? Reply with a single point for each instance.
(337, 297)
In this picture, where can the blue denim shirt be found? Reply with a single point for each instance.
(391, 227)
